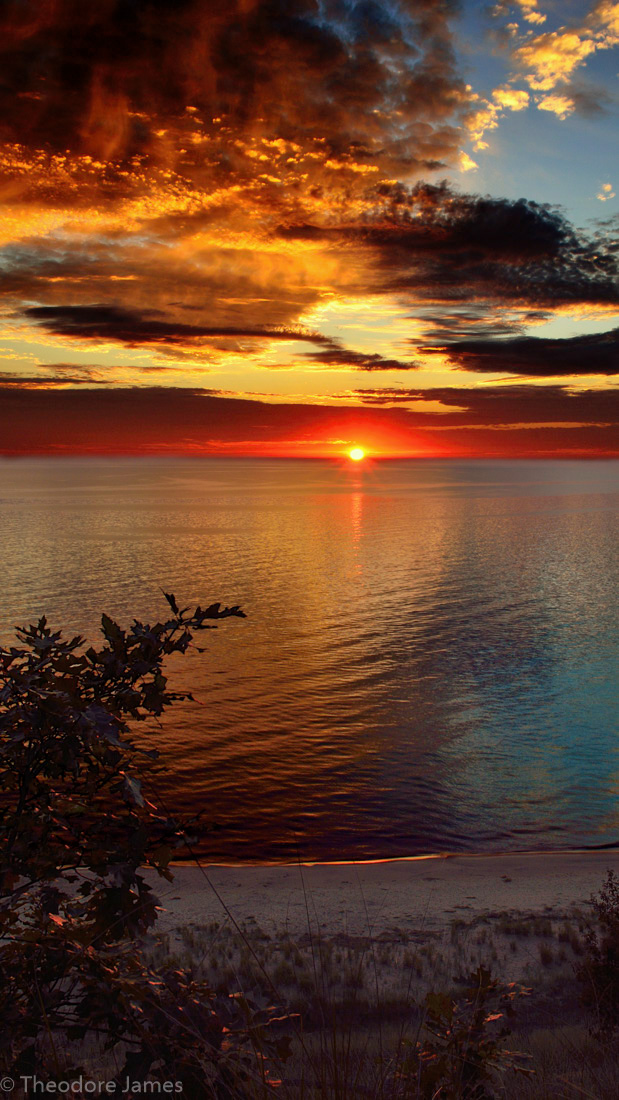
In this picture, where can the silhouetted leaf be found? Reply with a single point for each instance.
(172, 602)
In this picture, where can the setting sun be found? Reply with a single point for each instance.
(356, 453)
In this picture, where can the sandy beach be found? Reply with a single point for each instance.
(354, 949)
(404, 895)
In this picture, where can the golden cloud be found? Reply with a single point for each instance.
(559, 105)
(487, 116)
(550, 59)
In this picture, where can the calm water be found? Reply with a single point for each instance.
(429, 660)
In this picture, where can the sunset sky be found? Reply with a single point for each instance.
(284, 228)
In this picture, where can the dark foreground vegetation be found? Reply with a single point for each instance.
(93, 1000)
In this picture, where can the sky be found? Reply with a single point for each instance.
(287, 227)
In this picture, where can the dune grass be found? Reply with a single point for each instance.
(358, 1005)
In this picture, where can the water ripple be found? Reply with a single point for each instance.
(429, 661)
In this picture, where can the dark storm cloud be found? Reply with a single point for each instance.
(473, 226)
(111, 322)
(106, 78)
(433, 243)
(432, 218)
(595, 353)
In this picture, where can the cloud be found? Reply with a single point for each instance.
(433, 219)
(125, 326)
(547, 62)
(458, 324)
(201, 183)
(606, 192)
(519, 404)
(217, 279)
(178, 79)
(531, 420)
(338, 357)
(552, 58)
(549, 59)
(595, 353)
(162, 143)
(588, 99)
(467, 164)
(528, 8)
(488, 112)
(559, 105)
(436, 245)
(182, 295)
(67, 375)
(214, 293)
(27, 382)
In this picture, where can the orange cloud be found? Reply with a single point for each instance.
(606, 192)
(197, 190)
(552, 58)
(559, 105)
(487, 116)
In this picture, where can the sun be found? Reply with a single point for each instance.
(356, 453)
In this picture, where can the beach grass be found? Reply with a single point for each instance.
(357, 1004)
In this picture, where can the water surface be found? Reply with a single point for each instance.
(429, 659)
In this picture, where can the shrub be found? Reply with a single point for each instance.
(464, 1048)
(76, 832)
(599, 970)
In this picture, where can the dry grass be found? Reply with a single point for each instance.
(358, 1001)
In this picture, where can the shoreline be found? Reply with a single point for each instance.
(394, 896)
(502, 853)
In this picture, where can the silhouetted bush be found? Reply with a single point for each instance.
(77, 993)
(599, 970)
(464, 1048)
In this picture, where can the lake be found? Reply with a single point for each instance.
(429, 659)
